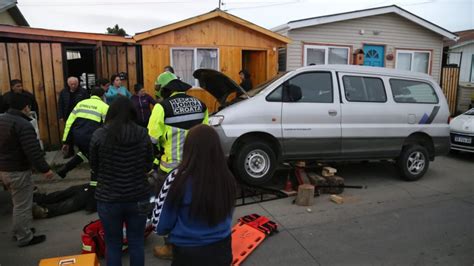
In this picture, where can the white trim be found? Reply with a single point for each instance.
(194, 49)
(326, 53)
(367, 13)
(412, 52)
(461, 44)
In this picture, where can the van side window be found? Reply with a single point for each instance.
(276, 95)
(411, 91)
(364, 89)
(312, 87)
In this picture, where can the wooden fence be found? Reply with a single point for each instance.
(41, 68)
(449, 83)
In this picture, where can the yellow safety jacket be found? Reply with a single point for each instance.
(169, 123)
(91, 109)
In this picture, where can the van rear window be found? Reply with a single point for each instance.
(412, 91)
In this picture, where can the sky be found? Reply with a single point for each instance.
(142, 15)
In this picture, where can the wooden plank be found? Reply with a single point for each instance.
(112, 59)
(25, 66)
(38, 89)
(46, 60)
(58, 75)
(13, 61)
(132, 65)
(4, 76)
(122, 64)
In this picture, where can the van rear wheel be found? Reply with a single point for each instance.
(413, 162)
(255, 163)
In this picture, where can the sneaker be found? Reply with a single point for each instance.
(163, 252)
(39, 212)
(35, 240)
(33, 230)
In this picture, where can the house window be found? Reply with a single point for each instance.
(416, 61)
(186, 60)
(320, 55)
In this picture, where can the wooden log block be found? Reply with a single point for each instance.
(305, 195)
(336, 183)
(328, 171)
(336, 199)
(319, 182)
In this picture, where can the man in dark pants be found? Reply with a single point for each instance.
(19, 151)
(62, 202)
(86, 117)
(68, 98)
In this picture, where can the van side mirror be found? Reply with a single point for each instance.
(292, 93)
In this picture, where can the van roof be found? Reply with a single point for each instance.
(368, 70)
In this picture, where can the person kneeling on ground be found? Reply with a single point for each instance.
(197, 212)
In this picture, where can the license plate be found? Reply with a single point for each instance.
(466, 140)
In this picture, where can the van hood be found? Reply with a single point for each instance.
(217, 84)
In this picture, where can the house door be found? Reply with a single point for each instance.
(255, 62)
(374, 55)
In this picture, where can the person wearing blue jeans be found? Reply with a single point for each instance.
(120, 155)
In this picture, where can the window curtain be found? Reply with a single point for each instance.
(207, 58)
(183, 63)
(404, 61)
(315, 56)
(338, 56)
(421, 62)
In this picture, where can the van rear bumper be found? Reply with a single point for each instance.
(441, 145)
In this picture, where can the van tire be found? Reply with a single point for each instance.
(254, 163)
(413, 162)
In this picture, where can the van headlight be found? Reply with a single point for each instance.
(216, 120)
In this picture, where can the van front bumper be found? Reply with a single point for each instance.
(226, 141)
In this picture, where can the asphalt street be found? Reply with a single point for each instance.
(392, 222)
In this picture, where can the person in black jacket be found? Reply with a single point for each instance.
(120, 155)
(16, 86)
(245, 83)
(68, 98)
(19, 151)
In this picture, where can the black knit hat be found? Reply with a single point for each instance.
(19, 101)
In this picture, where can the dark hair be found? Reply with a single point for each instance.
(19, 101)
(245, 72)
(169, 68)
(113, 77)
(102, 82)
(13, 82)
(97, 91)
(213, 185)
(137, 87)
(121, 112)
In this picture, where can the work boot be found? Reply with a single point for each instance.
(39, 212)
(163, 252)
(35, 240)
(71, 164)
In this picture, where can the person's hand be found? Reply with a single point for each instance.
(48, 175)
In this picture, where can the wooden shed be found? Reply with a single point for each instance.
(215, 40)
(43, 59)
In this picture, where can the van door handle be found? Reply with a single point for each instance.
(332, 112)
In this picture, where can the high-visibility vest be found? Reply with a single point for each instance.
(93, 109)
(169, 124)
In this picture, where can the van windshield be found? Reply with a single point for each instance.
(262, 86)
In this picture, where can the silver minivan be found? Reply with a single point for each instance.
(330, 113)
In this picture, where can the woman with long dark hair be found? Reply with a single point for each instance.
(121, 154)
(197, 213)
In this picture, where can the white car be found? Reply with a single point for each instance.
(462, 132)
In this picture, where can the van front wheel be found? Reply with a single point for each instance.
(255, 163)
(413, 162)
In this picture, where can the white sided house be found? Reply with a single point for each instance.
(385, 37)
(461, 53)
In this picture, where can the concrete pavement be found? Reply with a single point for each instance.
(428, 222)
